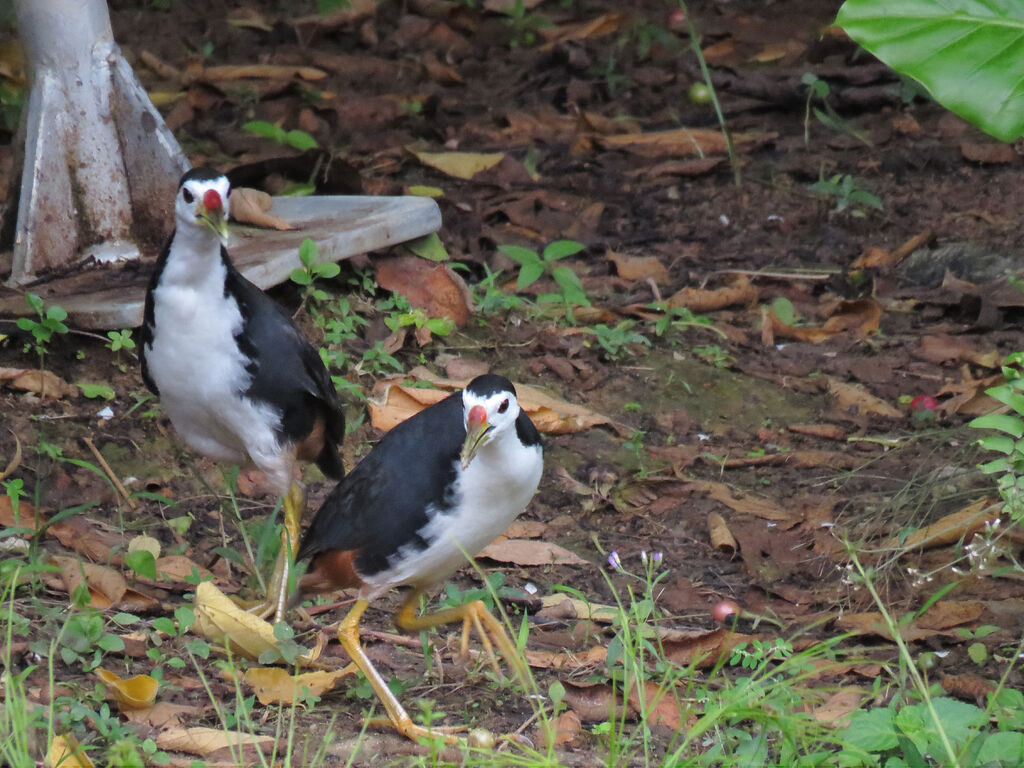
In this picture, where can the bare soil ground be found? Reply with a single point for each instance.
(797, 432)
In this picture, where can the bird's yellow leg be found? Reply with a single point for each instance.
(293, 504)
(473, 614)
(348, 636)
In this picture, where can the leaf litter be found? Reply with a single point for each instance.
(728, 502)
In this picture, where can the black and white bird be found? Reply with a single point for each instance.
(434, 491)
(237, 379)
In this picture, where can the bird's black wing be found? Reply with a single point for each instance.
(286, 371)
(382, 504)
(149, 318)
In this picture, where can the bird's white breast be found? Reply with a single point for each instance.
(493, 490)
(198, 368)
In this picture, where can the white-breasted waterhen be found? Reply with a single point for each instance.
(237, 379)
(434, 491)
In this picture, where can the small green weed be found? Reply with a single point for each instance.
(712, 354)
(118, 341)
(818, 89)
(619, 340)
(524, 24)
(843, 188)
(311, 271)
(49, 320)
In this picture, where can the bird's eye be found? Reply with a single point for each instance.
(503, 407)
(188, 196)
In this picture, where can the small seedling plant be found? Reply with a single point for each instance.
(48, 321)
(848, 197)
(311, 271)
(118, 341)
(533, 266)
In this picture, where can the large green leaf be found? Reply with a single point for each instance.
(968, 53)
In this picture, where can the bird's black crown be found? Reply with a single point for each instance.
(490, 384)
(202, 173)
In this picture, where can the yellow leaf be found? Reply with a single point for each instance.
(137, 692)
(66, 752)
(144, 543)
(417, 189)
(461, 165)
(220, 620)
(274, 685)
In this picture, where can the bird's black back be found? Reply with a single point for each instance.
(382, 503)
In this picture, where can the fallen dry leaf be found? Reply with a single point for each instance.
(658, 707)
(567, 660)
(222, 621)
(259, 72)
(106, 586)
(275, 685)
(568, 726)
(637, 267)
(604, 24)
(594, 702)
(178, 568)
(941, 348)
(840, 705)
(702, 648)
(213, 742)
(751, 505)
(163, 714)
(739, 291)
(530, 552)
(682, 141)
(856, 398)
(951, 528)
(721, 538)
(42, 383)
(66, 752)
(598, 612)
(461, 165)
(434, 288)
(828, 431)
(90, 538)
(135, 693)
(251, 206)
(941, 617)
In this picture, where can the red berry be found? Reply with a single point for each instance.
(724, 609)
(924, 403)
(676, 17)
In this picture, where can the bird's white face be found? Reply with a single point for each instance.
(487, 418)
(204, 203)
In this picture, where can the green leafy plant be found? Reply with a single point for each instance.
(1009, 468)
(679, 318)
(120, 340)
(524, 24)
(619, 340)
(404, 315)
(488, 296)
(311, 271)
(295, 139)
(712, 354)
(48, 321)
(533, 265)
(965, 52)
(818, 89)
(847, 195)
